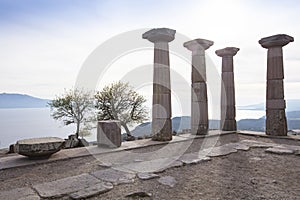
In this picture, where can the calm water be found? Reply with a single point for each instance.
(16, 124)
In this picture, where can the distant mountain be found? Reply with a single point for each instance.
(181, 123)
(178, 124)
(21, 101)
(291, 105)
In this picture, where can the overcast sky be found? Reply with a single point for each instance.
(44, 43)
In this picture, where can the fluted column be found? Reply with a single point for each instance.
(228, 112)
(275, 104)
(199, 107)
(161, 102)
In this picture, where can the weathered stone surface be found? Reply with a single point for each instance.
(257, 144)
(277, 150)
(193, 158)
(227, 122)
(161, 115)
(19, 194)
(276, 40)
(97, 189)
(116, 177)
(199, 106)
(221, 151)
(71, 142)
(147, 176)
(105, 164)
(109, 133)
(137, 195)
(275, 104)
(153, 166)
(62, 187)
(39, 147)
(276, 123)
(167, 180)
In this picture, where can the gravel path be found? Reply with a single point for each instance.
(252, 174)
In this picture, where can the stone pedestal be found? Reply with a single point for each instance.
(275, 104)
(228, 122)
(36, 148)
(199, 107)
(109, 133)
(161, 104)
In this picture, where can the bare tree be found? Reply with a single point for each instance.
(119, 101)
(74, 106)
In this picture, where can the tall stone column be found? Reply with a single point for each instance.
(199, 107)
(161, 103)
(228, 122)
(275, 105)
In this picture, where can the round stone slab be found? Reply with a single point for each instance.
(39, 147)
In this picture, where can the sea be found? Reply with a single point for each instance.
(22, 123)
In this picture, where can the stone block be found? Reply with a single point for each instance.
(275, 89)
(65, 186)
(228, 125)
(39, 147)
(275, 104)
(109, 133)
(199, 92)
(276, 123)
(19, 194)
(162, 129)
(97, 189)
(113, 176)
(275, 68)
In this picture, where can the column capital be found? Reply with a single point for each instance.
(279, 40)
(160, 35)
(228, 51)
(198, 44)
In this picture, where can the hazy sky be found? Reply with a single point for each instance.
(43, 43)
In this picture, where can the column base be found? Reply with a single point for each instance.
(228, 125)
(201, 129)
(161, 129)
(276, 123)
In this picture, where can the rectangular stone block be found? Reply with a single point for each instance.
(19, 193)
(228, 125)
(198, 69)
(199, 92)
(200, 129)
(276, 122)
(275, 89)
(228, 96)
(62, 187)
(109, 133)
(161, 129)
(275, 104)
(275, 63)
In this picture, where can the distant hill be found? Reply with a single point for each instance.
(291, 105)
(21, 101)
(180, 123)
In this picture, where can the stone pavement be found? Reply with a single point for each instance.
(101, 181)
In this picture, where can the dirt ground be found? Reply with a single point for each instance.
(251, 174)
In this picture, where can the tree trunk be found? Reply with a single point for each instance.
(126, 129)
(77, 129)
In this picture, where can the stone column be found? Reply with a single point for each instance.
(161, 104)
(275, 105)
(199, 107)
(228, 122)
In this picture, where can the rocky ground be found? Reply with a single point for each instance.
(252, 174)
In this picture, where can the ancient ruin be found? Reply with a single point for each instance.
(161, 103)
(275, 104)
(109, 133)
(228, 122)
(199, 107)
